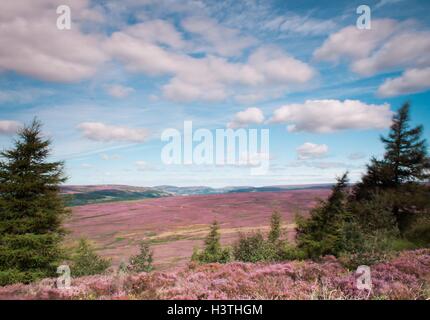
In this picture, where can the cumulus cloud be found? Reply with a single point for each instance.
(403, 50)
(310, 150)
(8, 127)
(354, 43)
(411, 81)
(119, 91)
(209, 77)
(221, 40)
(389, 46)
(324, 116)
(246, 117)
(32, 45)
(102, 132)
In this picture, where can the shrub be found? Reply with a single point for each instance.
(419, 232)
(289, 252)
(213, 252)
(86, 262)
(253, 248)
(142, 262)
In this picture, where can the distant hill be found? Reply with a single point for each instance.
(82, 195)
(90, 194)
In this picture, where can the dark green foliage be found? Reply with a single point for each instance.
(324, 232)
(405, 165)
(31, 209)
(213, 252)
(254, 248)
(375, 213)
(405, 158)
(142, 262)
(86, 262)
(103, 196)
(275, 227)
(419, 232)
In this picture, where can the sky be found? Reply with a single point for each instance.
(126, 71)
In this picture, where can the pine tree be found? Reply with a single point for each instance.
(31, 208)
(405, 159)
(321, 234)
(275, 227)
(213, 252)
(87, 262)
(402, 170)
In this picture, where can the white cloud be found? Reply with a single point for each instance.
(411, 81)
(324, 116)
(300, 24)
(221, 40)
(388, 46)
(32, 45)
(208, 78)
(119, 91)
(157, 32)
(246, 117)
(354, 43)
(9, 127)
(407, 49)
(310, 150)
(101, 132)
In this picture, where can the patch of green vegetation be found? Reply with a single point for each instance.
(103, 196)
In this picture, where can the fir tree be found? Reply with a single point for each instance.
(31, 208)
(402, 170)
(275, 227)
(405, 159)
(213, 252)
(87, 262)
(321, 234)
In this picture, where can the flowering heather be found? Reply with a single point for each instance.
(405, 277)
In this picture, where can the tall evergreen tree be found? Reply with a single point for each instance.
(405, 159)
(31, 208)
(321, 234)
(402, 170)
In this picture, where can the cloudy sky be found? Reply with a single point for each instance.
(127, 70)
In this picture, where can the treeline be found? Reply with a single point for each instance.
(387, 211)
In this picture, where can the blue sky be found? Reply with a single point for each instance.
(106, 89)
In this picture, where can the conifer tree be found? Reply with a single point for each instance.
(275, 227)
(213, 251)
(402, 170)
(31, 208)
(405, 159)
(321, 234)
